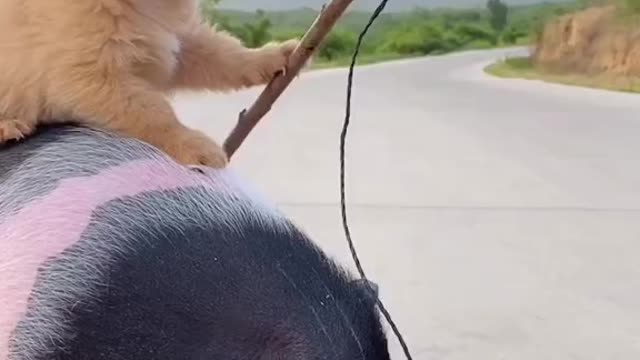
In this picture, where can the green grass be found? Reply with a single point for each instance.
(367, 59)
(522, 68)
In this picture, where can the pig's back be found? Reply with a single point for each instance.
(110, 250)
(75, 201)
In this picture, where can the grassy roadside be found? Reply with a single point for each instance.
(522, 68)
(363, 59)
(367, 59)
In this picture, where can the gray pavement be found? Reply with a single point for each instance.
(501, 218)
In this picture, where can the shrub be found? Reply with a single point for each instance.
(469, 33)
(338, 43)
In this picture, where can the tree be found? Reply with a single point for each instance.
(256, 33)
(253, 32)
(498, 15)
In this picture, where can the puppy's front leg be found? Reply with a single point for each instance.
(135, 111)
(215, 60)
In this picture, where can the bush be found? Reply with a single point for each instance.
(337, 44)
(469, 33)
(514, 33)
(423, 39)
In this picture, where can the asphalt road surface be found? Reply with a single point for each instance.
(501, 218)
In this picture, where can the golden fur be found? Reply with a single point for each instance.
(110, 64)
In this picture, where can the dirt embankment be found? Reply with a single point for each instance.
(593, 41)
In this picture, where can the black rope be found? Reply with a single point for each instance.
(343, 201)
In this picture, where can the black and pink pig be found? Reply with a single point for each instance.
(110, 250)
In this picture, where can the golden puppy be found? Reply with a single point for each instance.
(110, 64)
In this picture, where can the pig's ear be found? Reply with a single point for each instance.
(368, 287)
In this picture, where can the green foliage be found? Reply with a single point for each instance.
(253, 33)
(413, 39)
(498, 14)
(472, 32)
(437, 38)
(394, 35)
(631, 6)
(254, 30)
(337, 44)
(514, 34)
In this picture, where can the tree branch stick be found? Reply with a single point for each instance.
(249, 118)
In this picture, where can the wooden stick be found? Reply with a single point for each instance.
(248, 119)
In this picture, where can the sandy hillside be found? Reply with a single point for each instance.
(594, 41)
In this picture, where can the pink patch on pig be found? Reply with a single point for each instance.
(36, 233)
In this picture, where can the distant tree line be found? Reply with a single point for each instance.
(418, 32)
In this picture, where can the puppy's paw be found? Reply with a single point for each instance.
(14, 129)
(289, 46)
(270, 60)
(191, 147)
(286, 48)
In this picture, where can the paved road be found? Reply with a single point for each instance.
(500, 217)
